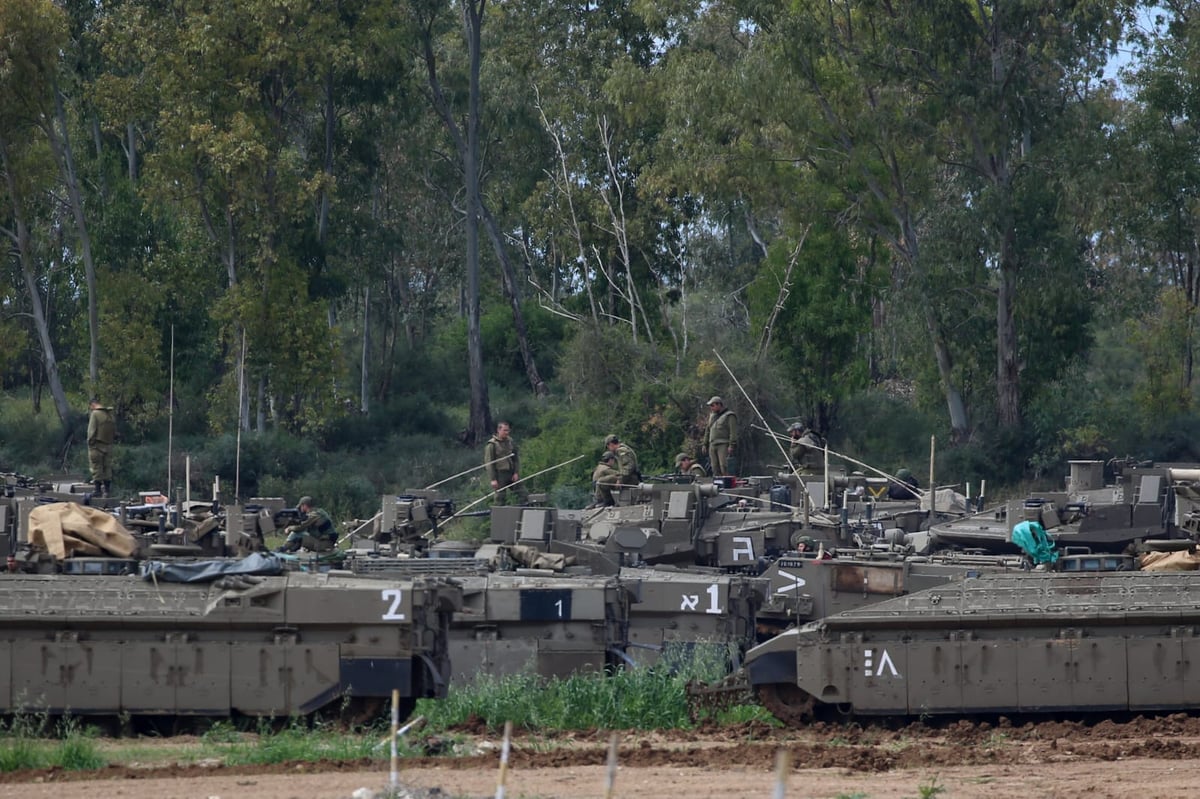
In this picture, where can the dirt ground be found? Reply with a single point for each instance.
(1141, 758)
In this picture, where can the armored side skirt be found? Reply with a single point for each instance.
(1003, 644)
(288, 645)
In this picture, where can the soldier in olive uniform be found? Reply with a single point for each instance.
(627, 462)
(686, 465)
(720, 437)
(605, 477)
(315, 533)
(502, 463)
(102, 431)
(806, 449)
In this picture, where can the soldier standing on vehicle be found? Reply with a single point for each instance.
(720, 437)
(627, 462)
(686, 465)
(102, 431)
(502, 464)
(315, 533)
(604, 478)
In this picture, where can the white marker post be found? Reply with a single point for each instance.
(504, 750)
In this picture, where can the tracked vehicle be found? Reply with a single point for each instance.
(1012, 643)
(257, 646)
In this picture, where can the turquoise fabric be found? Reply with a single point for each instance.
(1035, 542)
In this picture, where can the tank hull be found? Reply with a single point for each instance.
(1029, 643)
(283, 646)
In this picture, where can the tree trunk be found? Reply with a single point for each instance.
(49, 360)
(1008, 371)
(511, 288)
(364, 385)
(61, 147)
(479, 425)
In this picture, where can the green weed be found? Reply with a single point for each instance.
(931, 789)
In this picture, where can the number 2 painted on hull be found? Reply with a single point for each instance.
(396, 596)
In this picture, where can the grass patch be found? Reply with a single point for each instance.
(27, 744)
(639, 698)
(296, 742)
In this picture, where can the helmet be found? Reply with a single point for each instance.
(608, 456)
(305, 501)
(795, 427)
(611, 438)
(681, 457)
(904, 474)
(716, 400)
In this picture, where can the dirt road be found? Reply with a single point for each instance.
(1143, 758)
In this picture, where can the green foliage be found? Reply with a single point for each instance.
(296, 742)
(884, 431)
(820, 326)
(629, 698)
(29, 442)
(32, 742)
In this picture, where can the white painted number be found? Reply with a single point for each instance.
(714, 595)
(558, 605)
(692, 601)
(393, 612)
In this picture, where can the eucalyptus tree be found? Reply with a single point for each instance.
(1157, 180)
(976, 95)
(33, 34)
(238, 90)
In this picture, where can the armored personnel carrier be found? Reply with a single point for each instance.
(1009, 643)
(260, 646)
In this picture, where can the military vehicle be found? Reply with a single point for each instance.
(1144, 502)
(1009, 643)
(102, 644)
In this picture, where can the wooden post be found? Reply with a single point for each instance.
(504, 750)
(394, 781)
(610, 776)
(783, 764)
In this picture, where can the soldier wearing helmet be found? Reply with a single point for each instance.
(906, 488)
(806, 449)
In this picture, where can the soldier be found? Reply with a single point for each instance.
(627, 462)
(315, 533)
(686, 465)
(604, 478)
(805, 449)
(720, 437)
(906, 488)
(502, 463)
(102, 430)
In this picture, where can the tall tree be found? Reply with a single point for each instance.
(32, 35)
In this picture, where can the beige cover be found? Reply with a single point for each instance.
(67, 528)
(1170, 561)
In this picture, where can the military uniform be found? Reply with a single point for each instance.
(720, 437)
(627, 465)
(316, 533)
(604, 479)
(807, 452)
(906, 488)
(503, 468)
(102, 431)
(694, 470)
